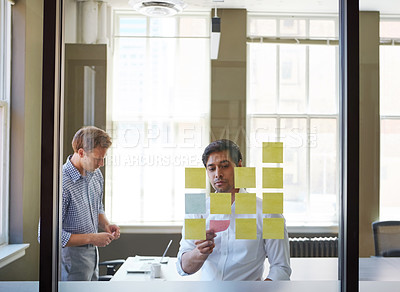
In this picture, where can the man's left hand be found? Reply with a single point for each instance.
(114, 230)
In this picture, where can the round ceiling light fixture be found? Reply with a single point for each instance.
(160, 8)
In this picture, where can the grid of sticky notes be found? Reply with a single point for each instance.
(245, 203)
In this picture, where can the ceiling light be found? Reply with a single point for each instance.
(160, 8)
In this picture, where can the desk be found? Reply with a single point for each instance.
(303, 269)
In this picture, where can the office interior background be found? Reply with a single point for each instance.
(151, 84)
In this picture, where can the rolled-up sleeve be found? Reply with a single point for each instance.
(185, 246)
(278, 255)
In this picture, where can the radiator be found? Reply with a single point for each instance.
(313, 246)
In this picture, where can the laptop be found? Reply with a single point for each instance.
(164, 259)
(143, 264)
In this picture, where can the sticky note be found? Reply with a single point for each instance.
(195, 178)
(195, 203)
(245, 177)
(195, 229)
(219, 225)
(273, 177)
(220, 203)
(272, 203)
(272, 152)
(245, 203)
(246, 228)
(273, 228)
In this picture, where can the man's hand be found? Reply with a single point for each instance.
(193, 260)
(205, 247)
(101, 239)
(114, 230)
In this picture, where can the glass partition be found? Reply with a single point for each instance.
(150, 84)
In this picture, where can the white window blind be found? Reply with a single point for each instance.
(160, 109)
(292, 84)
(390, 118)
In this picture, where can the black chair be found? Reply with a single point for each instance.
(111, 266)
(387, 238)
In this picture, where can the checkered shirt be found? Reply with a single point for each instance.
(81, 201)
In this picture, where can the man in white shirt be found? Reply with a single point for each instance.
(221, 256)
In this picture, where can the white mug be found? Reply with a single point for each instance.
(156, 270)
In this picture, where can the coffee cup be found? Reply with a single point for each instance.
(155, 270)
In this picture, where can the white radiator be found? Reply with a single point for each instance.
(313, 246)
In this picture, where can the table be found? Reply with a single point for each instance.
(303, 269)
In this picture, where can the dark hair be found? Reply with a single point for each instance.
(222, 145)
(89, 138)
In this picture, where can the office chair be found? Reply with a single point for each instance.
(112, 266)
(386, 238)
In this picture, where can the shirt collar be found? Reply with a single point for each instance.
(72, 170)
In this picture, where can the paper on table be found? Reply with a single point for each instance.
(246, 228)
(245, 203)
(245, 177)
(273, 177)
(272, 152)
(272, 203)
(220, 203)
(273, 228)
(195, 178)
(219, 225)
(195, 203)
(195, 229)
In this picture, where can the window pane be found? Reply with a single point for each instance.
(324, 172)
(292, 79)
(262, 78)
(292, 27)
(194, 26)
(323, 79)
(389, 29)
(389, 81)
(322, 28)
(163, 27)
(293, 134)
(262, 27)
(132, 26)
(389, 175)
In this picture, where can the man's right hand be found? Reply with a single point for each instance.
(206, 246)
(193, 260)
(101, 239)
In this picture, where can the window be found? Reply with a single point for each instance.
(5, 41)
(390, 117)
(292, 83)
(159, 111)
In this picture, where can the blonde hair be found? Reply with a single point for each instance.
(89, 138)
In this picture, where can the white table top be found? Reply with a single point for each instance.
(303, 269)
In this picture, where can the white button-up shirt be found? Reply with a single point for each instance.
(240, 259)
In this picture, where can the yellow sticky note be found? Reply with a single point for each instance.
(195, 229)
(220, 203)
(246, 228)
(272, 152)
(273, 177)
(195, 178)
(272, 203)
(273, 228)
(245, 177)
(245, 203)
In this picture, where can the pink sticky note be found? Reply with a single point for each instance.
(219, 225)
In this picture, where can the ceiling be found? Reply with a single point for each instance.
(281, 6)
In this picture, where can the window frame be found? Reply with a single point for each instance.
(386, 41)
(5, 85)
(307, 115)
(157, 227)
